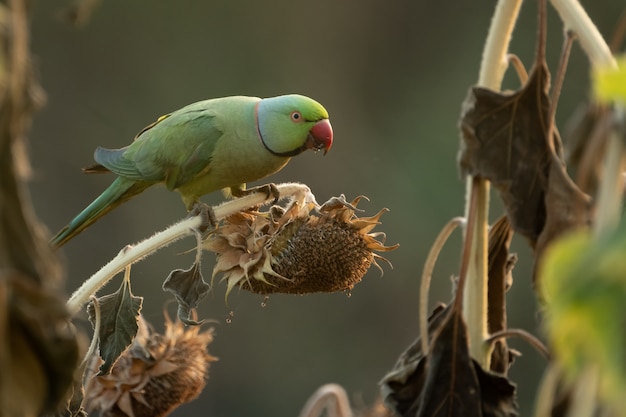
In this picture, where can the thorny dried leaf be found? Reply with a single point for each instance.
(119, 313)
(156, 375)
(293, 251)
(189, 288)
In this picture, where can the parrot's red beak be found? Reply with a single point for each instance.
(320, 136)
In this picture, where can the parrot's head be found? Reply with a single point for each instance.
(288, 125)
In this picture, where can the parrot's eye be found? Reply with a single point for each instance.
(296, 116)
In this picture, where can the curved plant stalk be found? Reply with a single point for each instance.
(576, 19)
(93, 346)
(329, 397)
(519, 67)
(427, 272)
(492, 68)
(609, 199)
(522, 334)
(131, 254)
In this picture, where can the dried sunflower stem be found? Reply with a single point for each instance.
(93, 346)
(427, 273)
(134, 253)
(522, 334)
(609, 199)
(329, 397)
(492, 68)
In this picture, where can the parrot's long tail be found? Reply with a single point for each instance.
(118, 192)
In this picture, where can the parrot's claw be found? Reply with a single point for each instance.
(209, 220)
(270, 190)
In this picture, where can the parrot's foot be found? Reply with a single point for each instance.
(209, 219)
(270, 190)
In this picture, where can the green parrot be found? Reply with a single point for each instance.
(206, 146)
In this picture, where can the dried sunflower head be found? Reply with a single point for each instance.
(293, 251)
(155, 375)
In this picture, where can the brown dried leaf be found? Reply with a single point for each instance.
(504, 140)
(451, 387)
(402, 386)
(497, 394)
(567, 208)
(585, 134)
(447, 381)
(500, 265)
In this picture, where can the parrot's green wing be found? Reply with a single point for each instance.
(114, 161)
(174, 150)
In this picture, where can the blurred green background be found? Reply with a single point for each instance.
(392, 75)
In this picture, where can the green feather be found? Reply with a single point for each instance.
(118, 192)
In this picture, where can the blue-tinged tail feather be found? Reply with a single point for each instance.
(118, 192)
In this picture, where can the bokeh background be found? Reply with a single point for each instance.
(392, 75)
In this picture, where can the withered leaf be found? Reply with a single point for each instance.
(447, 382)
(497, 394)
(118, 326)
(501, 263)
(402, 386)
(504, 140)
(586, 134)
(189, 288)
(567, 208)
(451, 387)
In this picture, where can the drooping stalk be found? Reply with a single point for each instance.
(609, 198)
(299, 193)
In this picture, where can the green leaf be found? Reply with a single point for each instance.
(118, 325)
(584, 283)
(189, 288)
(609, 83)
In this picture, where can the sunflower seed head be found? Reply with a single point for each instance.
(294, 251)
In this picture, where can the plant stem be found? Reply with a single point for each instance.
(611, 187)
(427, 273)
(475, 289)
(494, 61)
(128, 256)
(493, 66)
(576, 19)
(300, 194)
(609, 199)
(329, 397)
